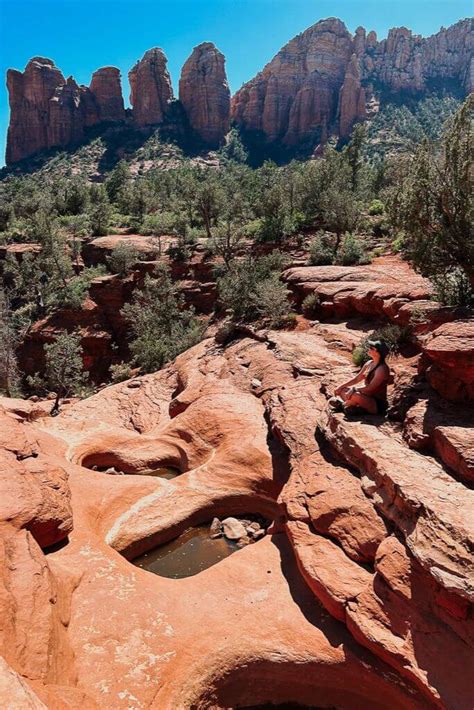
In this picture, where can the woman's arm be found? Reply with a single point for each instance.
(360, 376)
(380, 376)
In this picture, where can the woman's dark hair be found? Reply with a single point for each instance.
(381, 347)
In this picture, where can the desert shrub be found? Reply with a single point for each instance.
(321, 252)
(393, 335)
(63, 371)
(272, 300)
(376, 207)
(453, 288)
(398, 243)
(433, 205)
(74, 293)
(310, 305)
(120, 372)
(352, 252)
(161, 325)
(123, 258)
(251, 289)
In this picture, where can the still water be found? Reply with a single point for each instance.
(189, 554)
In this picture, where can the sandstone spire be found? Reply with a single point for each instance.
(29, 95)
(107, 91)
(351, 99)
(204, 93)
(151, 90)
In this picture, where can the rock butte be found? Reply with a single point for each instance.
(361, 594)
(320, 83)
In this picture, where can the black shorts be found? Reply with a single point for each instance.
(382, 405)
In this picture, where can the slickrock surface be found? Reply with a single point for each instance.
(204, 93)
(360, 595)
(151, 90)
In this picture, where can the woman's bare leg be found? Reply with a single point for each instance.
(362, 400)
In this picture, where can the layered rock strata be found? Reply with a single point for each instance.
(48, 111)
(204, 93)
(295, 98)
(151, 90)
(320, 82)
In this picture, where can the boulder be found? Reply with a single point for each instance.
(233, 529)
(449, 360)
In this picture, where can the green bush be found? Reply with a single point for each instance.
(120, 372)
(321, 252)
(74, 293)
(310, 305)
(398, 243)
(251, 289)
(123, 258)
(454, 289)
(161, 325)
(376, 207)
(352, 252)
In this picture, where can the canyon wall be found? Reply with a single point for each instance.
(319, 80)
(315, 85)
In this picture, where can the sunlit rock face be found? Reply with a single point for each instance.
(48, 111)
(151, 90)
(317, 84)
(204, 93)
(294, 99)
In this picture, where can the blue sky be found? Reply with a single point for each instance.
(82, 35)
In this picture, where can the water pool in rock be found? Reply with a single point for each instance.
(187, 555)
(167, 472)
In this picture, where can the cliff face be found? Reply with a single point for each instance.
(107, 92)
(151, 90)
(316, 84)
(204, 93)
(321, 78)
(30, 94)
(46, 110)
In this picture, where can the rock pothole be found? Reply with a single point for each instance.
(203, 546)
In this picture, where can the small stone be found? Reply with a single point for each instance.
(233, 529)
(243, 541)
(256, 383)
(134, 384)
(216, 529)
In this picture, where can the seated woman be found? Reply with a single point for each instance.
(371, 395)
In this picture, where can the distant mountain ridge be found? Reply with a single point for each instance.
(319, 84)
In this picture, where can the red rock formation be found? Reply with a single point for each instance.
(107, 92)
(204, 93)
(351, 99)
(47, 111)
(449, 360)
(151, 90)
(296, 93)
(294, 98)
(66, 115)
(406, 61)
(30, 93)
(376, 533)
